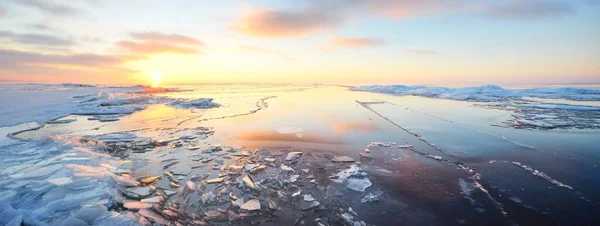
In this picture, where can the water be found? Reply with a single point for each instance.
(475, 183)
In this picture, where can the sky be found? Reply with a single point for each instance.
(429, 42)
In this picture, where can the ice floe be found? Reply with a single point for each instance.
(354, 178)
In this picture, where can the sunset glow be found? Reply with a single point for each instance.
(347, 42)
(155, 79)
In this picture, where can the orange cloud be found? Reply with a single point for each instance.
(148, 43)
(273, 23)
(19, 65)
(168, 38)
(403, 8)
(502, 9)
(156, 47)
(356, 42)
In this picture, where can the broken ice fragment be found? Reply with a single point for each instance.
(149, 180)
(60, 181)
(170, 192)
(61, 121)
(256, 169)
(190, 186)
(213, 215)
(251, 205)
(370, 198)
(182, 169)
(342, 159)
(249, 167)
(293, 155)
(286, 168)
(208, 197)
(125, 181)
(155, 199)
(307, 205)
(308, 198)
(139, 191)
(293, 178)
(241, 153)
(249, 182)
(215, 180)
(354, 178)
(436, 157)
(130, 204)
(192, 148)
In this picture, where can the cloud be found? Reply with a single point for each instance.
(156, 43)
(56, 9)
(35, 39)
(13, 57)
(307, 18)
(256, 49)
(356, 42)
(527, 9)
(272, 23)
(18, 64)
(398, 9)
(159, 37)
(501, 9)
(156, 48)
(322, 15)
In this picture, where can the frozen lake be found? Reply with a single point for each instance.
(411, 156)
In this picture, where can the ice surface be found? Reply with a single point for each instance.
(536, 108)
(60, 180)
(54, 101)
(485, 93)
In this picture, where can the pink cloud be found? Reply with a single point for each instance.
(155, 48)
(147, 43)
(168, 38)
(274, 23)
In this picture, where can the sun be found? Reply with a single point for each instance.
(155, 79)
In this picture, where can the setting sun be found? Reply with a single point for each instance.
(155, 79)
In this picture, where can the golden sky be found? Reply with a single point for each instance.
(306, 41)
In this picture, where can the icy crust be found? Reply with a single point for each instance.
(485, 93)
(106, 103)
(50, 101)
(57, 182)
(526, 113)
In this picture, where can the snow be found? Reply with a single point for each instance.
(41, 103)
(485, 93)
(44, 102)
(561, 107)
